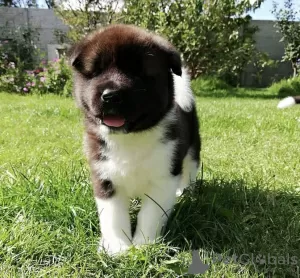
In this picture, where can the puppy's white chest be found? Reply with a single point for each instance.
(134, 163)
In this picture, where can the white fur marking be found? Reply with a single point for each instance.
(183, 92)
(133, 155)
(189, 173)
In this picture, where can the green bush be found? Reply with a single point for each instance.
(20, 47)
(286, 87)
(12, 75)
(17, 54)
(287, 24)
(214, 39)
(22, 71)
(54, 78)
(209, 83)
(49, 77)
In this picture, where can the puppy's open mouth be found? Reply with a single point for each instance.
(113, 120)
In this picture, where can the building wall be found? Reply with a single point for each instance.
(267, 40)
(44, 21)
(47, 23)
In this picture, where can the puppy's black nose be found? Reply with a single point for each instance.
(112, 97)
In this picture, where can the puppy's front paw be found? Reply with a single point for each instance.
(140, 239)
(179, 192)
(113, 247)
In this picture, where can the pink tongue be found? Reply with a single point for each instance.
(114, 121)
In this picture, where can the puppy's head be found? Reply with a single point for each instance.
(123, 77)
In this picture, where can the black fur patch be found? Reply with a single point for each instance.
(103, 189)
(171, 132)
(185, 131)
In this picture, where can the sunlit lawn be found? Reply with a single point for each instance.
(247, 200)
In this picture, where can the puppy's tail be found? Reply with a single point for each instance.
(288, 102)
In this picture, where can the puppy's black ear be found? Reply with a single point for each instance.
(175, 62)
(173, 56)
(74, 56)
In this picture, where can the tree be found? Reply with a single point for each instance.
(19, 3)
(87, 15)
(288, 24)
(50, 4)
(215, 36)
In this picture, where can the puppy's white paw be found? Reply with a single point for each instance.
(179, 192)
(140, 240)
(113, 247)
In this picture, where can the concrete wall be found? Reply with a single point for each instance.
(267, 40)
(46, 23)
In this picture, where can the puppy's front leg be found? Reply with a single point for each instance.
(156, 207)
(115, 223)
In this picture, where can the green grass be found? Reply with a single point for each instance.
(246, 201)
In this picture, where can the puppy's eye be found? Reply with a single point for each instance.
(92, 74)
(96, 73)
(97, 67)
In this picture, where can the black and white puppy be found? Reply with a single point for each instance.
(142, 134)
(288, 102)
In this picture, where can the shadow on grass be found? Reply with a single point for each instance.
(225, 216)
(217, 216)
